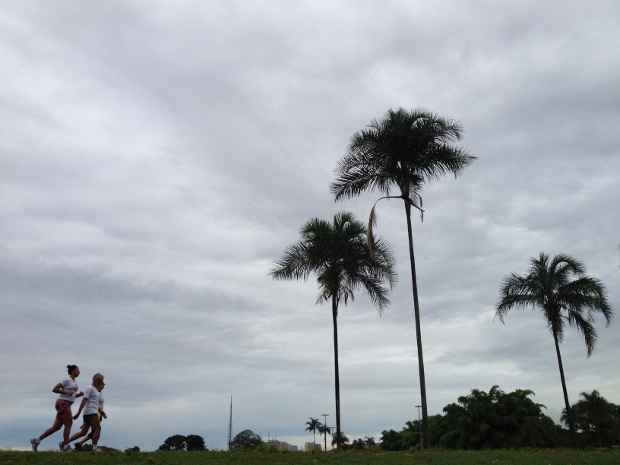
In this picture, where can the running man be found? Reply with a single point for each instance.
(92, 404)
(68, 391)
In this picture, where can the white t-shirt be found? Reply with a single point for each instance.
(94, 400)
(71, 389)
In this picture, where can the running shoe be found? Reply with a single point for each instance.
(34, 442)
(64, 448)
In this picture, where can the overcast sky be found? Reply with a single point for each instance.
(155, 159)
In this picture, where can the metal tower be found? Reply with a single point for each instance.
(230, 425)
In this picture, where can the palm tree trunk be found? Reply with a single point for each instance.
(418, 332)
(569, 413)
(337, 375)
(314, 440)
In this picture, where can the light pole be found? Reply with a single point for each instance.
(325, 415)
(419, 407)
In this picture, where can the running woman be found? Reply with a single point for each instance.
(68, 391)
(92, 404)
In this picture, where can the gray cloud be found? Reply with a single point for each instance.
(155, 161)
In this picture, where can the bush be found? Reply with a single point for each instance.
(246, 439)
(482, 420)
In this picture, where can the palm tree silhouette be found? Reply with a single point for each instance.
(559, 287)
(596, 418)
(403, 151)
(324, 430)
(313, 425)
(339, 255)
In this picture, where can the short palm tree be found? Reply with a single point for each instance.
(596, 418)
(339, 255)
(313, 425)
(324, 430)
(402, 152)
(559, 287)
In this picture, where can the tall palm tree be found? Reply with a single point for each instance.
(402, 152)
(313, 425)
(559, 287)
(339, 255)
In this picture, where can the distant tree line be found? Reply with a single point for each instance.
(495, 419)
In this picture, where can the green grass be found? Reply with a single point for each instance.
(434, 457)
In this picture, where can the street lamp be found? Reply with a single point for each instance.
(325, 415)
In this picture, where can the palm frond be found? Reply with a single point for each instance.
(585, 326)
(372, 222)
(295, 264)
(586, 292)
(442, 159)
(383, 262)
(516, 292)
(569, 264)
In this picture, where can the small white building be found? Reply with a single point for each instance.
(312, 447)
(282, 445)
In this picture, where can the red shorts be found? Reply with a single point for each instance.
(63, 410)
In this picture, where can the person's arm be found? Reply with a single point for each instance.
(101, 410)
(82, 405)
(79, 394)
(58, 389)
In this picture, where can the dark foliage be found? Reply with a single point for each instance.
(342, 441)
(337, 253)
(175, 442)
(246, 439)
(364, 443)
(482, 420)
(403, 150)
(195, 442)
(391, 440)
(596, 419)
(179, 442)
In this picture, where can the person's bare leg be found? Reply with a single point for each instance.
(81, 433)
(55, 427)
(96, 434)
(67, 421)
(83, 441)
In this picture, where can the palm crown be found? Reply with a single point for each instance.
(338, 254)
(559, 287)
(313, 424)
(403, 150)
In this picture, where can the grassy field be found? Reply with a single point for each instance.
(434, 457)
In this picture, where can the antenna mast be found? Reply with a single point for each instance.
(230, 425)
